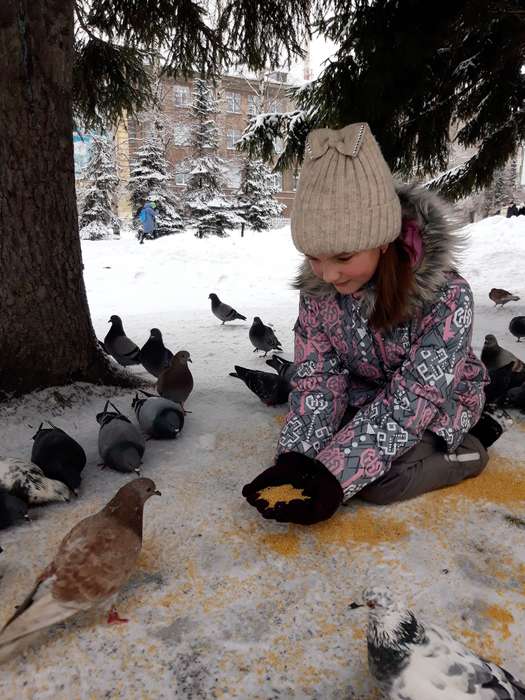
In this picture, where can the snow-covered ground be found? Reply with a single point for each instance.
(225, 604)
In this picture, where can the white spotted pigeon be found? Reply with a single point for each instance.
(154, 356)
(412, 661)
(176, 382)
(119, 346)
(120, 443)
(262, 337)
(270, 388)
(28, 482)
(92, 563)
(517, 327)
(224, 312)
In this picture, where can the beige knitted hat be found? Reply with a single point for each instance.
(345, 199)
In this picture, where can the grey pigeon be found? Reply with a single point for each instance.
(223, 311)
(119, 346)
(28, 482)
(158, 417)
(58, 455)
(154, 356)
(415, 662)
(494, 356)
(176, 382)
(500, 297)
(262, 337)
(517, 327)
(120, 443)
(271, 388)
(285, 368)
(12, 510)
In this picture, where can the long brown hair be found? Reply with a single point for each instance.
(395, 281)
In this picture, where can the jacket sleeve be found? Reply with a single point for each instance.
(320, 394)
(400, 413)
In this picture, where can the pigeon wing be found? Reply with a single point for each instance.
(125, 347)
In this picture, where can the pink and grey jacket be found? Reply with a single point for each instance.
(421, 375)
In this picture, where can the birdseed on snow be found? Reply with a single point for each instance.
(282, 494)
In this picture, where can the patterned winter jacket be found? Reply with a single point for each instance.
(422, 375)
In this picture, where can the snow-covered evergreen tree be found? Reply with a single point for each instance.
(149, 181)
(209, 209)
(97, 219)
(255, 198)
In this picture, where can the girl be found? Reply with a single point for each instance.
(388, 394)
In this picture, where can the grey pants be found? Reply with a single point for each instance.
(425, 468)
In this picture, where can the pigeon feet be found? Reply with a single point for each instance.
(114, 618)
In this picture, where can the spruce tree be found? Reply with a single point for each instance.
(97, 219)
(209, 209)
(149, 181)
(255, 199)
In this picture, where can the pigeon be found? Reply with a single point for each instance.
(176, 382)
(494, 356)
(284, 368)
(271, 388)
(158, 417)
(223, 311)
(58, 455)
(500, 383)
(12, 509)
(91, 565)
(517, 327)
(500, 297)
(515, 397)
(29, 483)
(154, 356)
(119, 346)
(262, 337)
(415, 662)
(120, 443)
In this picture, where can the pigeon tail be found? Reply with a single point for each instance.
(240, 316)
(124, 457)
(40, 610)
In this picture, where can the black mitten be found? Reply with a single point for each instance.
(321, 492)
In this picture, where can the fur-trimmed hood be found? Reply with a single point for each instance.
(442, 242)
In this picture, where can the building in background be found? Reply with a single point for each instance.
(238, 98)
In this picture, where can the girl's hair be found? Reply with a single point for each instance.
(395, 281)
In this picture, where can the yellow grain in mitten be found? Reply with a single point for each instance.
(282, 494)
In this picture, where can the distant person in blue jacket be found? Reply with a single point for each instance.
(148, 218)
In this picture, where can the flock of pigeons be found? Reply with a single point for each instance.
(409, 660)
(54, 470)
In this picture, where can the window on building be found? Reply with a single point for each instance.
(181, 135)
(277, 181)
(278, 144)
(254, 104)
(233, 102)
(233, 175)
(295, 180)
(181, 175)
(232, 136)
(182, 96)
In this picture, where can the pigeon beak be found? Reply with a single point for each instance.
(189, 359)
(157, 493)
(354, 606)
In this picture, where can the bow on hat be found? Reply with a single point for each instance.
(347, 140)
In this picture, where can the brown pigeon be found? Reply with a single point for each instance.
(176, 382)
(500, 297)
(92, 563)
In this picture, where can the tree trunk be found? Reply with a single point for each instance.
(46, 336)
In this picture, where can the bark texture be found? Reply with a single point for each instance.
(46, 336)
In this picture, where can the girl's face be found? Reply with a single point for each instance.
(348, 272)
